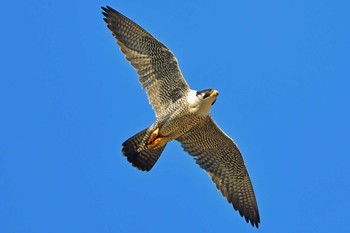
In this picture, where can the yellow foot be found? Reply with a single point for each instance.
(153, 136)
(155, 139)
(155, 143)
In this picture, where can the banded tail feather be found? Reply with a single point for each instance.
(145, 159)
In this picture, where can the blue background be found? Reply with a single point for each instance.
(69, 99)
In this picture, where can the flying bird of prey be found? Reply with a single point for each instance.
(182, 114)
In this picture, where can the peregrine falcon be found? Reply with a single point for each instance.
(182, 114)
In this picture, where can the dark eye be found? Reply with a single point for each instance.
(206, 95)
(206, 92)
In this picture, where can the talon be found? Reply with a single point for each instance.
(156, 142)
(153, 137)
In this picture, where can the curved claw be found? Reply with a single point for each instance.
(155, 139)
(153, 136)
(155, 143)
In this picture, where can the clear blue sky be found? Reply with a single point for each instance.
(69, 99)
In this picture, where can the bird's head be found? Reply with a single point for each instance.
(208, 96)
(201, 101)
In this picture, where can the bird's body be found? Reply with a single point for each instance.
(183, 114)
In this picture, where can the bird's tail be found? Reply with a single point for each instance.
(145, 159)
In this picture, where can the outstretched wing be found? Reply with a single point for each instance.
(218, 154)
(155, 64)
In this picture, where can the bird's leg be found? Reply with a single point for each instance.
(153, 136)
(155, 139)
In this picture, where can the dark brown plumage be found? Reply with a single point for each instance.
(219, 155)
(155, 64)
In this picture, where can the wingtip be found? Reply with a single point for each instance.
(253, 217)
(254, 222)
(107, 9)
(105, 13)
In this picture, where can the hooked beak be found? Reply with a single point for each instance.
(214, 93)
